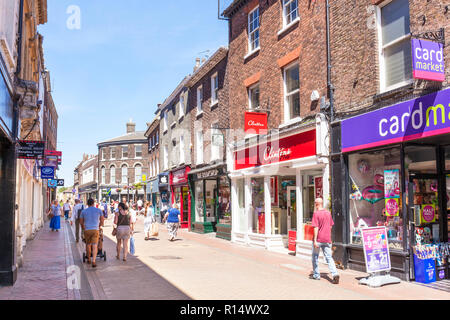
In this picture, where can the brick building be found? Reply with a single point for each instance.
(122, 162)
(277, 66)
(86, 178)
(176, 149)
(152, 135)
(209, 108)
(389, 126)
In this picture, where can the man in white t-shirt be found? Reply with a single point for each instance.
(76, 214)
(66, 209)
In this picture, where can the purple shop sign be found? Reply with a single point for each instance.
(415, 119)
(376, 249)
(428, 60)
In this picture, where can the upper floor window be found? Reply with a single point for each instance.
(138, 149)
(292, 92)
(253, 95)
(124, 151)
(290, 11)
(103, 154)
(199, 147)
(165, 121)
(124, 174)
(395, 56)
(137, 173)
(113, 153)
(199, 99)
(253, 30)
(181, 106)
(112, 175)
(182, 158)
(166, 157)
(214, 89)
(157, 137)
(103, 175)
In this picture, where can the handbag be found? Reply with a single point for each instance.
(114, 232)
(154, 230)
(132, 248)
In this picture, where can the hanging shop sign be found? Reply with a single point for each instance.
(52, 158)
(47, 172)
(60, 182)
(298, 146)
(376, 249)
(414, 119)
(27, 149)
(179, 176)
(428, 60)
(52, 183)
(255, 123)
(163, 179)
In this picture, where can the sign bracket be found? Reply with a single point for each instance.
(437, 36)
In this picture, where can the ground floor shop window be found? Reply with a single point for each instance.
(211, 200)
(258, 209)
(284, 204)
(224, 201)
(240, 205)
(375, 194)
(185, 195)
(199, 202)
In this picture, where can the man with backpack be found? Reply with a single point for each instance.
(76, 214)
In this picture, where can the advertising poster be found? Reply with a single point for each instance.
(376, 249)
(318, 187)
(392, 192)
(428, 213)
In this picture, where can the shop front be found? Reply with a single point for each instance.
(397, 175)
(164, 191)
(211, 201)
(88, 192)
(274, 185)
(180, 194)
(153, 195)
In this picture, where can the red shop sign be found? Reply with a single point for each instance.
(179, 176)
(255, 123)
(298, 146)
(318, 187)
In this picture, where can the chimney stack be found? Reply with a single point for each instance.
(131, 127)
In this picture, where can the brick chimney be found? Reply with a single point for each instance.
(131, 127)
(197, 64)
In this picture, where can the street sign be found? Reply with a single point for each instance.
(52, 183)
(47, 172)
(30, 149)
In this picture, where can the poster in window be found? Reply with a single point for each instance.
(274, 191)
(318, 187)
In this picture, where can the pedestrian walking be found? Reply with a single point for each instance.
(173, 221)
(55, 213)
(67, 209)
(140, 204)
(76, 215)
(322, 223)
(123, 229)
(164, 209)
(91, 219)
(149, 220)
(104, 207)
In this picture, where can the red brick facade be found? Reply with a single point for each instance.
(303, 41)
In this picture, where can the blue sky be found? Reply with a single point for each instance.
(126, 58)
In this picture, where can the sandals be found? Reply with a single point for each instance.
(94, 265)
(118, 257)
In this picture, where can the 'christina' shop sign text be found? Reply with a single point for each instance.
(419, 118)
(428, 60)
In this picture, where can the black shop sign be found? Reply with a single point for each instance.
(27, 149)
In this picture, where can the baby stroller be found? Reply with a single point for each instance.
(100, 252)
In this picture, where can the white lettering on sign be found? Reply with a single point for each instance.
(270, 154)
(255, 124)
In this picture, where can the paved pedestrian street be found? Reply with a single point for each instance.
(194, 267)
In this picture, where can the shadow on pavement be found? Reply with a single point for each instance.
(133, 279)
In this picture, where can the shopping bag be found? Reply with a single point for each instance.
(155, 230)
(132, 248)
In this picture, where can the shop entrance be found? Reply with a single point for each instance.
(428, 207)
(292, 209)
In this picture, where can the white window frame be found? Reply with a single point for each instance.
(136, 177)
(103, 154)
(103, 173)
(250, 49)
(135, 151)
(166, 157)
(214, 90)
(165, 121)
(287, 24)
(112, 170)
(250, 89)
(128, 151)
(199, 100)
(181, 107)
(215, 149)
(381, 48)
(287, 107)
(122, 176)
(199, 146)
(182, 155)
(111, 153)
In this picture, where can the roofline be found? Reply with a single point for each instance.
(235, 6)
(207, 66)
(175, 92)
(119, 143)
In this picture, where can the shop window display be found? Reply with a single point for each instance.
(224, 201)
(258, 214)
(211, 200)
(375, 194)
(240, 189)
(199, 202)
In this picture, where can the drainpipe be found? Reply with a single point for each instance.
(329, 83)
(18, 71)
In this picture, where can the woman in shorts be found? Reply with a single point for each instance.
(124, 229)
